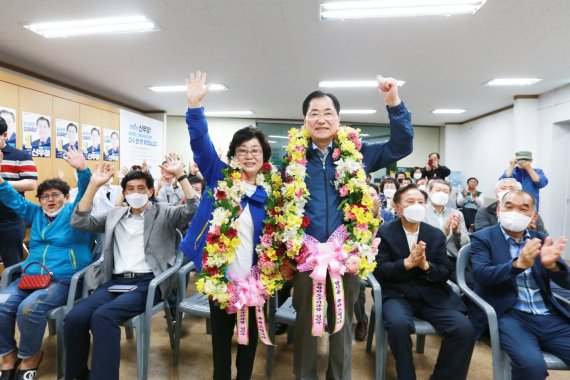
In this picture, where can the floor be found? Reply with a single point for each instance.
(196, 357)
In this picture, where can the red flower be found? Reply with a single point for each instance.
(220, 194)
(231, 233)
(212, 270)
(269, 229)
(305, 223)
(212, 238)
(266, 167)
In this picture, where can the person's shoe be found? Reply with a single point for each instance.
(10, 374)
(29, 374)
(361, 331)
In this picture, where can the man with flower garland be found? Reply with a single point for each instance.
(327, 206)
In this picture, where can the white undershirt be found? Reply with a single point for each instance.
(243, 261)
(412, 238)
(128, 245)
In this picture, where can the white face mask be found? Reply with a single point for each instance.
(501, 194)
(136, 200)
(417, 175)
(415, 213)
(54, 213)
(514, 221)
(439, 198)
(389, 193)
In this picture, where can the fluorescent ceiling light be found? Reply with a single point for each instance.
(512, 82)
(398, 8)
(182, 88)
(357, 112)
(352, 83)
(364, 135)
(93, 26)
(272, 141)
(228, 113)
(279, 137)
(448, 111)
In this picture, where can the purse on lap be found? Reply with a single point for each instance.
(35, 281)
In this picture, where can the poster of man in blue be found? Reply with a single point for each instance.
(66, 133)
(91, 142)
(37, 134)
(111, 138)
(9, 115)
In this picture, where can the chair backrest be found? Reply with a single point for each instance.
(463, 263)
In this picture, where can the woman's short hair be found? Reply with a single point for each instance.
(246, 134)
(54, 183)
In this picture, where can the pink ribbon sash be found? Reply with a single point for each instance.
(323, 258)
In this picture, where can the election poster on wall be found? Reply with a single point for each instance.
(37, 134)
(66, 135)
(91, 137)
(111, 143)
(142, 139)
(9, 115)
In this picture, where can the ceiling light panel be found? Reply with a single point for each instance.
(129, 24)
(448, 111)
(357, 112)
(512, 82)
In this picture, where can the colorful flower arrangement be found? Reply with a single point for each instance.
(224, 236)
(350, 181)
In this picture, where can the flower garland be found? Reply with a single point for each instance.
(350, 181)
(223, 236)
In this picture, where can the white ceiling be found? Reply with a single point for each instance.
(272, 53)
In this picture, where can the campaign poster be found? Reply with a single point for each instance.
(9, 115)
(111, 140)
(142, 139)
(91, 137)
(67, 135)
(37, 134)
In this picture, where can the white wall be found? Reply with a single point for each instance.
(426, 141)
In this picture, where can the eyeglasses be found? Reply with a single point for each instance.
(54, 196)
(316, 116)
(255, 152)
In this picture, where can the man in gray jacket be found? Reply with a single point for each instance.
(140, 245)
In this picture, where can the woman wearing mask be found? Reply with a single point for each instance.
(417, 174)
(54, 243)
(388, 188)
(224, 238)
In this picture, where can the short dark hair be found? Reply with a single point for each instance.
(114, 133)
(138, 174)
(388, 180)
(437, 154)
(375, 187)
(54, 183)
(470, 178)
(3, 126)
(320, 94)
(44, 119)
(197, 179)
(246, 134)
(405, 189)
(71, 125)
(96, 130)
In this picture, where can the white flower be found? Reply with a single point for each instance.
(220, 216)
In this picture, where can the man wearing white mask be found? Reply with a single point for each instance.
(140, 245)
(447, 219)
(413, 269)
(513, 267)
(487, 216)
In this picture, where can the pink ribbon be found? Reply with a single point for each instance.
(322, 258)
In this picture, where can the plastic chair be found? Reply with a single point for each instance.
(501, 361)
(56, 315)
(376, 325)
(142, 323)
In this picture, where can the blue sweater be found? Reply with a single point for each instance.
(527, 183)
(60, 247)
(322, 206)
(211, 167)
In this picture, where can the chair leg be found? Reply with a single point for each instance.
(371, 326)
(420, 343)
(52, 327)
(177, 336)
(60, 346)
(169, 324)
(129, 332)
(208, 326)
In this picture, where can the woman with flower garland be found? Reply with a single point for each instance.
(329, 227)
(232, 237)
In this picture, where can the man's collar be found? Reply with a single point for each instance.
(525, 236)
(315, 147)
(129, 213)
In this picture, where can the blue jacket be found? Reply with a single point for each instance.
(60, 247)
(495, 274)
(211, 167)
(527, 183)
(322, 206)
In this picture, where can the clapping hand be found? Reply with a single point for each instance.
(388, 88)
(75, 158)
(528, 253)
(196, 89)
(551, 252)
(102, 174)
(417, 257)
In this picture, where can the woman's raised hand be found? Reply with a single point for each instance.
(196, 89)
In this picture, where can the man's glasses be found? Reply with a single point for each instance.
(316, 116)
(54, 196)
(255, 152)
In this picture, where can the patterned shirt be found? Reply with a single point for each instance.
(529, 298)
(16, 165)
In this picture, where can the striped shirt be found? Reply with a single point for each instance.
(529, 299)
(16, 165)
